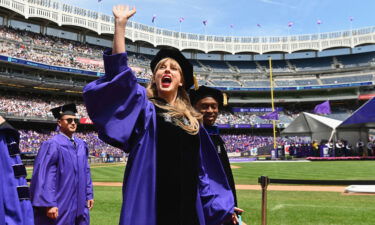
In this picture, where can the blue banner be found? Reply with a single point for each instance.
(255, 109)
(223, 126)
(297, 88)
(49, 67)
(244, 126)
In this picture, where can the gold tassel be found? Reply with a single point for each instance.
(196, 84)
(225, 99)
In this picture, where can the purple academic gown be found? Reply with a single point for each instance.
(2, 212)
(125, 118)
(13, 211)
(61, 178)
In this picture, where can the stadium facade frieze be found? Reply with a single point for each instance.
(68, 15)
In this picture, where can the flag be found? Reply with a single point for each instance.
(153, 18)
(270, 116)
(323, 108)
(258, 25)
(231, 26)
(319, 22)
(204, 22)
(351, 19)
(99, 0)
(181, 19)
(290, 24)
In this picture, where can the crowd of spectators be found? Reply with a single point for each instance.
(59, 52)
(236, 118)
(37, 107)
(247, 142)
(25, 105)
(31, 140)
(252, 118)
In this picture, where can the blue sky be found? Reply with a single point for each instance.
(272, 15)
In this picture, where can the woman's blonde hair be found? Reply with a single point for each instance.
(181, 108)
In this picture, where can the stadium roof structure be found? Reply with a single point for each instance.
(364, 117)
(68, 15)
(315, 126)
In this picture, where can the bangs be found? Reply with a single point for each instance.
(174, 63)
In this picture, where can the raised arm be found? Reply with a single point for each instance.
(116, 103)
(122, 14)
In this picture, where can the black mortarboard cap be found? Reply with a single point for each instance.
(187, 68)
(203, 92)
(68, 109)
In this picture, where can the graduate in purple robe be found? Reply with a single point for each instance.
(208, 101)
(173, 174)
(15, 205)
(61, 186)
(2, 211)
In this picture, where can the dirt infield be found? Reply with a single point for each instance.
(234, 167)
(257, 187)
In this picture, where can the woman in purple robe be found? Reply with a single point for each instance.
(173, 174)
(15, 205)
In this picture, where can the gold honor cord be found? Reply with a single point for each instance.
(272, 103)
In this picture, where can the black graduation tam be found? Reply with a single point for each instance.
(68, 109)
(187, 68)
(203, 92)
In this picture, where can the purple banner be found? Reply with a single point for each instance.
(270, 116)
(255, 109)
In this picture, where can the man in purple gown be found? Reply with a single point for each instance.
(15, 206)
(208, 101)
(61, 186)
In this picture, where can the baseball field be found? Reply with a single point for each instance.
(287, 205)
(294, 205)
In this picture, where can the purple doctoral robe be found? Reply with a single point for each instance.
(61, 178)
(125, 118)
(13, 211)
(2, 212)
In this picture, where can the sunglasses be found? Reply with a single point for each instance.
(70, 120)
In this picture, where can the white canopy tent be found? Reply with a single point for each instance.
(314, 126)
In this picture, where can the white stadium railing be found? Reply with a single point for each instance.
(64, 14)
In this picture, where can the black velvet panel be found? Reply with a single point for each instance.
(177, 173)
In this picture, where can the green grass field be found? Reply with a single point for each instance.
(284, 207)
(248, 173)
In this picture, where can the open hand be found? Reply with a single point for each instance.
(122, 13)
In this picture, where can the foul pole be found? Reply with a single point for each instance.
(272, 103)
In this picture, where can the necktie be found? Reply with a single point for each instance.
(73, 142)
